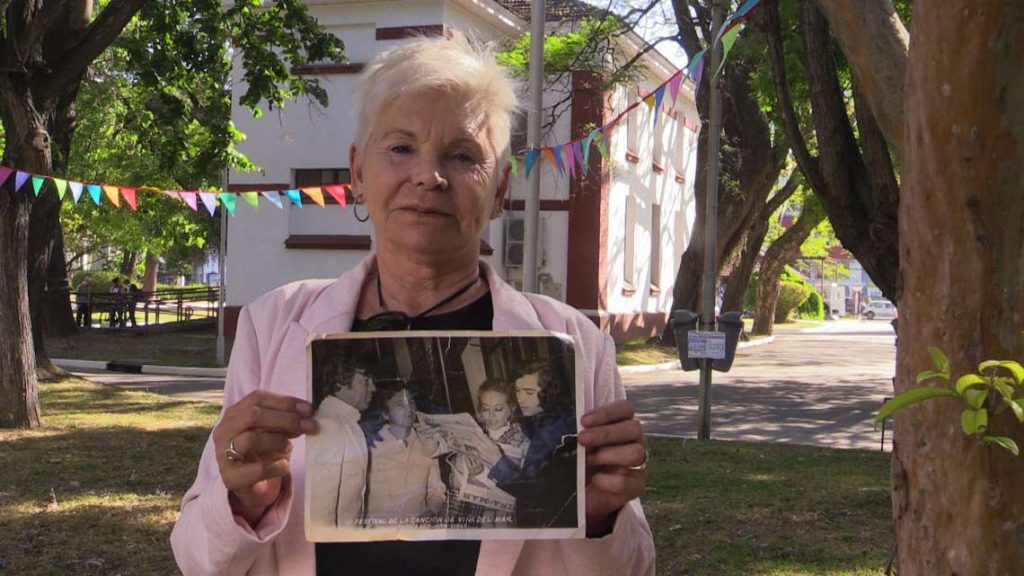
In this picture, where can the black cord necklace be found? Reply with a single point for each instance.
(397, 320)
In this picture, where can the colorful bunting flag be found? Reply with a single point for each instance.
(512, 162)
(531, 160)
(673, 87)
(557, 151)
(111, 192)
(570, 161)
(253, 198)
(62, 187)
(229, 201)
(5, 173)
(337, 191)
(76, 191)
(19, 180)
(37, 183)
(727, 42)
(94, 192)
(274, 197)
(316, 194)
(294, 196)
(577, 152)
(209, 200)
(129, 196)
(190, 200)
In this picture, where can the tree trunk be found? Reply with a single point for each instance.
(957, 503)
(780, 253)
(739, 279)
(152, 267)
(127, 267)
(876, 45)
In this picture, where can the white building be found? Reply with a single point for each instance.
(610, 242)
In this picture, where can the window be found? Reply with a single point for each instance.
(320, 176)
(655, 246)
(628, 244)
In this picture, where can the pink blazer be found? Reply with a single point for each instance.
(269, 354)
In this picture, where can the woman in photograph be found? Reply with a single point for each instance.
(475, 499)
(430, 165)
(405, 477)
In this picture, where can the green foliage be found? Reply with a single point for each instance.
(584, 49)
(791, 295)
(156, 111)
(99, 280)
(996, 387)
(813, 308)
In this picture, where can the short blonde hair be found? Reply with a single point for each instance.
(454, 64)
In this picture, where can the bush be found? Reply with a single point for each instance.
(791, 295)
(812, 308)
(101, 280)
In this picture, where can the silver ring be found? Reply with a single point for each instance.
(643, 465)
(231, 454)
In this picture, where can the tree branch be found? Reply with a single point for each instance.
(790, 123)
(783, 194)
(877, 46)
(32, 35)
(97, 37)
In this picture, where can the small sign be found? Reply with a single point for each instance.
(706, 345)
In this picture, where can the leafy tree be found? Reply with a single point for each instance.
(46, 52)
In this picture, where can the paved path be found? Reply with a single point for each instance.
(821, 387)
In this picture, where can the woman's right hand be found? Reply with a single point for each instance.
(259, 427)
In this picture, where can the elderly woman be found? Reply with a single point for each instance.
(430, 163)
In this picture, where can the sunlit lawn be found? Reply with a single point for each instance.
(97, 489)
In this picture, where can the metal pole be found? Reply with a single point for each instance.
(221, 257)
(709, 280)
(531, 221)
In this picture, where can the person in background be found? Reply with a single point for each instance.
(117, 294)
(83, 304)
(430, 165)
(130, 301)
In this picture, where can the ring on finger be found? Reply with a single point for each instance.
(231, 454)
(643, 464)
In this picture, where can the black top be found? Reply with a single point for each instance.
(446, 557)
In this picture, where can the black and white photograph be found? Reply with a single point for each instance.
(444, 435)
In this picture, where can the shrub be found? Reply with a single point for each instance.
(791, 295)
(101, 280)
(812, 308)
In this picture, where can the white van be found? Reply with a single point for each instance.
(881, 309)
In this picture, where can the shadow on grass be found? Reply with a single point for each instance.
(94, 501)
(737, 508)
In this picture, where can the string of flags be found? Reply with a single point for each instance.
(570, 157)
(575, 154)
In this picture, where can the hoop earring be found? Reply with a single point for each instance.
(355, 212)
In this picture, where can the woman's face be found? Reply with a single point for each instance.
(528, 395)
(494, 411)
(429, 175)
(400, 410)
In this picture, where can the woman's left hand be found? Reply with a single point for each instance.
(615, 445)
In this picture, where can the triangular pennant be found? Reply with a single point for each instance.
(294, 196)
(531, 160)
(274, 198)
(129, 196)
(94, 192)
(253, 199)
(209, 201)
(743, 10)
(557, 151)
(602, 146)
(315, 193)
(172, 194)
(111, 192)
(19, 180)
(673, 87)
(37, 183)
(76, 190)
(585, 145)
(549, 155)
(727, 43)
(691, 67)
(698, 74)
(5, 173)
(570, 160)
(513, 164)
(228, 200)
(337, 191)
(577, 152)
(190, 200)
(649, 100)
(62, 187)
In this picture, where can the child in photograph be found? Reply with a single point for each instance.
(476, 500)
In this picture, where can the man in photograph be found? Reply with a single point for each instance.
(339, 467)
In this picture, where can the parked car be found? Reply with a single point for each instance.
(882, 309)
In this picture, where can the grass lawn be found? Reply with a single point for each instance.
(180, 348)
(97, 489)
